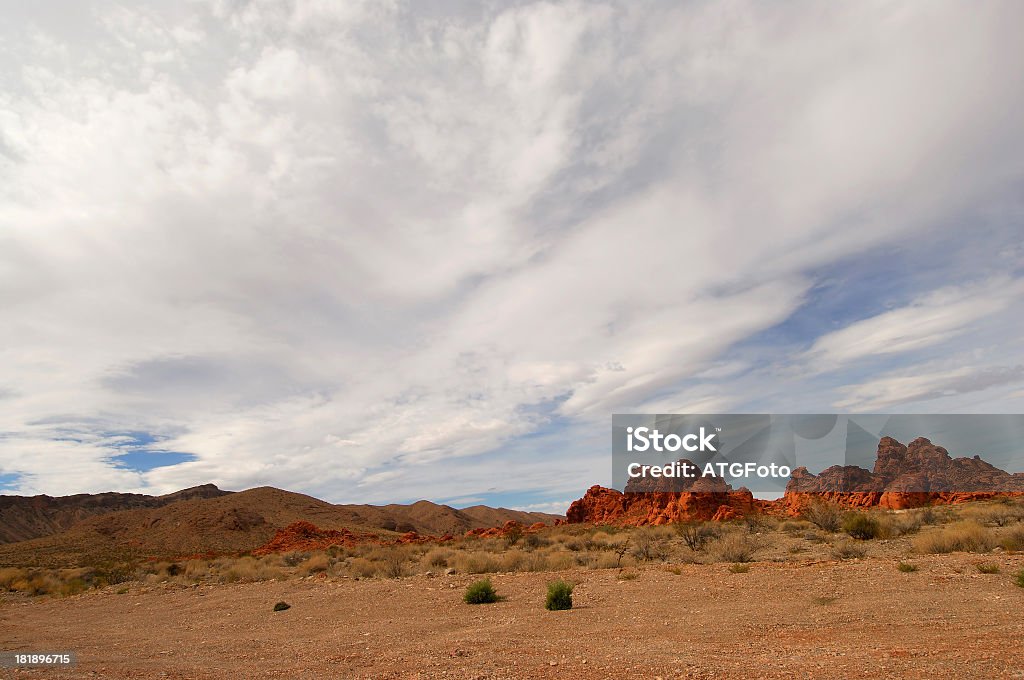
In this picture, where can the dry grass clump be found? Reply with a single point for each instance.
(650, 544)
(360, 567)
(758, 522)
(246, 568)
(1013, 539)
(963, 536)
(862, 526)
(734, 547)
(696, 535)
(794, 527)
(826, 516)
(317, 564)
(846, 549)
(438, 557)
(392, 561)
(996, 514)
(476, 563)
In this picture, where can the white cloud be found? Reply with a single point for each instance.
(892, 390)
(929, 320)
(324, 245)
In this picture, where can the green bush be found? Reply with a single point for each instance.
(559, 596)
(480, 592)
(861, 526)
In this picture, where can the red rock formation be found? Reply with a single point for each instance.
(608, 506)
(307, 536)
(903, 477)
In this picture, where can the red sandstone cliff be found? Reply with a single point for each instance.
(903, 477)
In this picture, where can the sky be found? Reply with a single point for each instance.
(384, 251)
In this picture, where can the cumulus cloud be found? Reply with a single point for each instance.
(365, 250)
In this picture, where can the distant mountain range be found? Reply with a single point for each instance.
(44, 530)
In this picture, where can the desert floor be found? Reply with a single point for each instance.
(841, 619)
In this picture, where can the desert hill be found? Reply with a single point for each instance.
(233, 522)
(904, 476)
(26, 517)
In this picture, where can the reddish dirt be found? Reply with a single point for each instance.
(822, 620)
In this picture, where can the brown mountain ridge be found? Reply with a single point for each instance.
(209, 520)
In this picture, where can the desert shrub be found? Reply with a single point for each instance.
(649, 546)
(559, 561)
(696, 534)
(758, 522)
(513, 560)
(392, 562)
(604, 560)
(249, 568)
(362, 567)
(477, 563)
(116, 573)
(438, 557)
(294, 559)
(602, 539)
(34, 583)
(963, 536)
(861, 526)
(987, 568)
(847, 550)
(927, 515)
(791, 527)
(813, 537)
(575, 545)
(738, 568)
(826, 516)
(559, 596)
(906, 567)
(513, 534)
(73, 586)
(314, 565)
(11, 575)
(1000, 515)
(1018, 578)
(892, 526)
(1013, 539)
(480, 592)
(196, 570)
(536, 541)
(734, 547)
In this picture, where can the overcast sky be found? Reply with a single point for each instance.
(386, 251)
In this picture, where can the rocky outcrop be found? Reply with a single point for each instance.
(307, 537)
(910, 476)
(608, 506)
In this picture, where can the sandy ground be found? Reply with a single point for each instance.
(834, 619)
